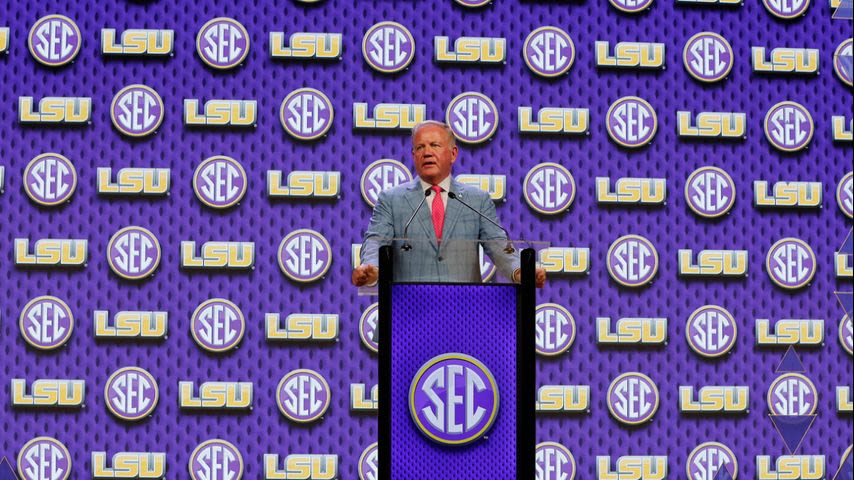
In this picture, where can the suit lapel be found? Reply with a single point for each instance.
(422, 218)
(452, 211)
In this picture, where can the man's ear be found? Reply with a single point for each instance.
(455, 152)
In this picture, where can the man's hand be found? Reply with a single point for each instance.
(539, 277)
(365, 275)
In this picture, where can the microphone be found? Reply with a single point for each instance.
(406, 246)
(509, 247)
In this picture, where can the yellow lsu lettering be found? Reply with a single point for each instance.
(301, 467)
(563, 398)
(570, 260)
(131, 324)
(4, 39)
(787, 194)
(134, 181)
(844, 403)
(573, 121)
(136, 41)
(713, 263)
(324, 46)
(835, 3)
(712, 125)
(804, 332)
(356, 254)
(137, 465)
(321, 327)
(645, 191)
(841, 132)
(470, 50)
(630, 55)
(632, 468)
(237, 255)
(389, 116)
(48, 393)
(225, 395)
(790, 467)
(304, 184)
(785, 60)
(222, 113)
(632, 331)
(73, 110)
(718, 399)
(843, 264)
(51, 251)
(494, 185)
(359, 402)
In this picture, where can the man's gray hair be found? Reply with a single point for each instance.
(444, 126)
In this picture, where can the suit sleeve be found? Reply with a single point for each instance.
(494, 240)
(379, 231)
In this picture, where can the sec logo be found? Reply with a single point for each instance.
(131, 393)
(216, 460)
(217, 325)
(473, 3)
(555, 329)
(846, 334)
(473, 117)
(786, 9)
(222, 43)
(388, 47)
(368, 327)
(708, 57)
(631, 122)
(368, 463)
(791, 263)
(44, 458)
(133, 253)
(303, 396)
(380, 176)
(50, 179)
(709, 459)
(487, 267)
(711, 331)
(710, 192)
(549, 52)
(789, 126)
(633, 398)
(632, 261)
(631, 6)
(54, 40)
(453, 399)
(137, 111)
(220, 182)
(792, 394)
(554, 462)
(842, 71)
(845, 195)
(46, 322)
(549, 188)
(306, 114)
(304, 255)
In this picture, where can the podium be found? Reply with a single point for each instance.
(456, 376)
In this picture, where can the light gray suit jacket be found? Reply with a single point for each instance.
(427, 261)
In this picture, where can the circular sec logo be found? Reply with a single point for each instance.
(789, 126)
(709, 459)
(304, 255)
(472, 3)
(844, 72)
(786, 9)
(555, 329)
(368, 327)
(846, 334)
(549, 188)
(473, 117)
(632, 261)
(792, 394)
(131, 393)
(453, 399)
(217, 325)
(133, 253)
(306, 114)
(791, 263)
(54, 40)
(388, 47)
(487, 267)
(845, 195)
(137, 111)
(554, 462)
(710, 192)
(220, 182)
(549, 52)
(216, 460)
(222, 43)
(46, 322)
(631, 122)
(381, 176)
(708, 57)
(633, 398)
(303, 396)
(711, 331)
(44, 458)
(631, 6)
(368, 463)
(50, 179)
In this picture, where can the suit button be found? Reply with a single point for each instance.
(441, 258)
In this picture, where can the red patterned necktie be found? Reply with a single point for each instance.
(438, 212)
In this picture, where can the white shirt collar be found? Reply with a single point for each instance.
(445, 184)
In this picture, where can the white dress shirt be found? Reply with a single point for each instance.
(444, 184)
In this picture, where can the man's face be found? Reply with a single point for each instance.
(433, 154)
